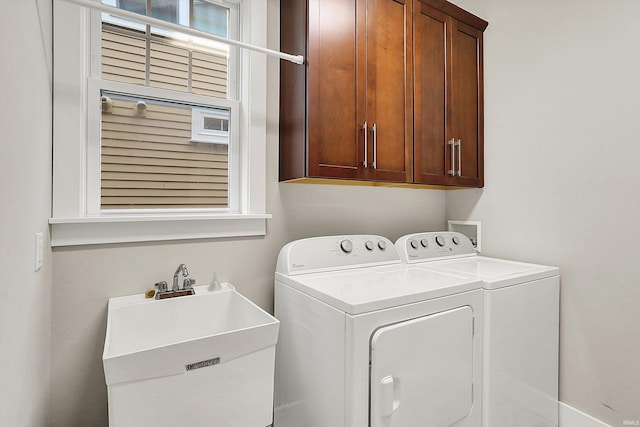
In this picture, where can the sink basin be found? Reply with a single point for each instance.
(204, 347)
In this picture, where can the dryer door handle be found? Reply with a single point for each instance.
(388, 401)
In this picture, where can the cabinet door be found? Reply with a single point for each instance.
(335, 146)
(432, 158)
(389, 91)
(466, 104)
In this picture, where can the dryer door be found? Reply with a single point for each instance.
(421, 370)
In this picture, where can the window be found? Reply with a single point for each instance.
(152, 139)
(210, 125)
(150, 152)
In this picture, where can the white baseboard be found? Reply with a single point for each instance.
(572, 417)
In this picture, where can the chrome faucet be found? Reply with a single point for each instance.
(187, 288)
(185, 273)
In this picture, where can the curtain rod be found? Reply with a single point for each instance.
(298, 59)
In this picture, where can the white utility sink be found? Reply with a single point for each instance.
(204, 359)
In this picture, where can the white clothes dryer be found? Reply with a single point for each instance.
(521, 326)
(366, 341)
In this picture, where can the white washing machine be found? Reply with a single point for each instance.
(521, 323)
(366, 341)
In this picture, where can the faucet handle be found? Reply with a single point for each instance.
(188, 284)
(162, 286)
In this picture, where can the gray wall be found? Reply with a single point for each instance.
(25, 177)
(84, 278)
(562, 114)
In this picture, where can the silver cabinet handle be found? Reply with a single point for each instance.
(374, 131)
(452, 144)
(366, 131)
(459, 144)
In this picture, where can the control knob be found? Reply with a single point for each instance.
(455, 240)
(382, 245)
(424, 243)
(440, 241)
(346, 246)
(414, 244)
(369, 245)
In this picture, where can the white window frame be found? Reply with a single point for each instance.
(75, 220)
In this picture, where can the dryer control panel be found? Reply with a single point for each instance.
(329, 253)
(420, 247)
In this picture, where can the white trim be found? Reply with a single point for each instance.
(158, 93)
(69, 99)
(297, 59)
(100, 230)
(254, 111)
(572, 417)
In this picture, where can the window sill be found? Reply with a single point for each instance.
(149, 228)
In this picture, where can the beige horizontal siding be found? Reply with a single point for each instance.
(173, 66)
(117, 152)
(214, 73)
(159, 130)
(193, 206)
(209, 74)
(171, 170)
(159, 111)
(211, 85)
(168, 66)
(165, 185)
(167, 148)
(124, 122)
(168, 202)
(211, 58)
(165, 192)
(143, 137)
(156, 161)
(162, 177)
(209, 93)
(149, 162)
(123, 57)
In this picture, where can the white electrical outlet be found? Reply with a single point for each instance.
(39, 250)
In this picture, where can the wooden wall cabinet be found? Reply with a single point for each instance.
(448, 95)
(350, 111)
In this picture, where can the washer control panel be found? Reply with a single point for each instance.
(328, 253)
(433, 245)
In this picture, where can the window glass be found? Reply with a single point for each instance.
(149, 159)
(137, 6)
(200, 14)
(140, 8)
(167, 10)
(210, 17)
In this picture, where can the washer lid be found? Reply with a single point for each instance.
(363, 290)
(495, 273)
